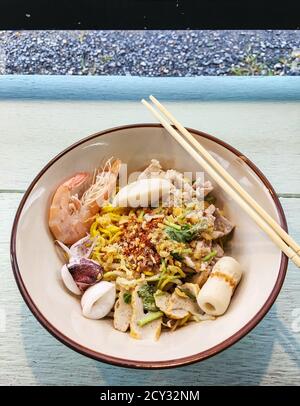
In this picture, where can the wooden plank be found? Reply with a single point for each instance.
(227, 88)
(32, 132)
(269, 355)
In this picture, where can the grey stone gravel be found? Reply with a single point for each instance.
(150, 53)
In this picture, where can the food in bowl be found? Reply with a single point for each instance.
(38, 276)
(150, 254)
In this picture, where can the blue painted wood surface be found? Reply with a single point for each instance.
(32, 132)
(206, 88)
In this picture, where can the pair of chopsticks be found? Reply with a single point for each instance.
(279, 236)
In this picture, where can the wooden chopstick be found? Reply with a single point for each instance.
(260, 221)
(215, 164)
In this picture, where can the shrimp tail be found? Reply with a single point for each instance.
(103, 187)
(78, 199)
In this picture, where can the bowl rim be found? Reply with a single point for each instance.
(135, 363)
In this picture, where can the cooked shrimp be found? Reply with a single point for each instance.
(70, 216)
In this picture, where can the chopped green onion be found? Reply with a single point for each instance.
(141, 215)
(169, 279)
(173, 225)
(153, 278)
(151, 316)
(209, 256)
(164, 269)
(176, 270)
(182, 216)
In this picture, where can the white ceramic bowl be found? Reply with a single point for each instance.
(36, 264)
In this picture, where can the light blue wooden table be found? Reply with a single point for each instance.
(39, 116)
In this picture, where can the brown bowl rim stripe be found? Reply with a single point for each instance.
(148, 364)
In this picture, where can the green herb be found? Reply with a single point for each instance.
(177, 256)
(146, 292)
(187, 232)
(210, 256)
(210, 199)
(151, 316)
(127, 297)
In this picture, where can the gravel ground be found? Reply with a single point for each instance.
(150, 53)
